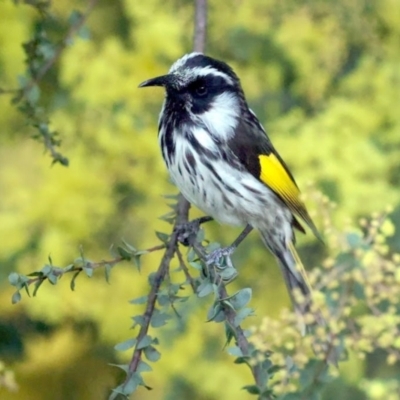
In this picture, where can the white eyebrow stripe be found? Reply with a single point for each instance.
(204, 71)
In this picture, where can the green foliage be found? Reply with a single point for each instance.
(324, 78)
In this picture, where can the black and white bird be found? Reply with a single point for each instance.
(221, 159)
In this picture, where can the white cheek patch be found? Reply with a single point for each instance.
(222, 117)
(204, 139)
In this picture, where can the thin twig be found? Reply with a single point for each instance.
(230, 314)
(151, 301)
(64, 43)
(200, 31)
(8, 91)
(59, 272)
(185, 269)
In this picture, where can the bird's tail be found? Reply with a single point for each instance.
(298, 285)
(301, 295)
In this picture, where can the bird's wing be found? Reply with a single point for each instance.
(258, 156)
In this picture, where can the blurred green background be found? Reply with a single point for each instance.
(324, 78)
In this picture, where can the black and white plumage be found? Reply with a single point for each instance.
(221, 159)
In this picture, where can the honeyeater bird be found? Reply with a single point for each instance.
(222, 160)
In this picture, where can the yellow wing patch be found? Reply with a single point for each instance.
(275, 176)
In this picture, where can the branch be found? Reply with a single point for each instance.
(230, 315)
(182, 217)
(151, 302)
(38, 64)
(172, 248)
(53, 273)
(64, 43)
(200, 30)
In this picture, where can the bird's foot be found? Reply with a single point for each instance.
(220, 257)
(221, 260)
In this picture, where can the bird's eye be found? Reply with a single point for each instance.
(201, 90)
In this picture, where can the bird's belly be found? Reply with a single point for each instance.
(229, 196)
(208, 198)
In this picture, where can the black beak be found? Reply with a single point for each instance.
(159, 81)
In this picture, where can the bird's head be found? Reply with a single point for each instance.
(202, 90)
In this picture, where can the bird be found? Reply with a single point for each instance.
(222, 160)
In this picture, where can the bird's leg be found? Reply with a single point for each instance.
(188, 230)
(215, 257)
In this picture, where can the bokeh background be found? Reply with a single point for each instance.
(324, 78)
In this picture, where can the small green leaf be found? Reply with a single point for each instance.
(128, 344)
(88, 271)
(124, 253)
(36, 273)
(215, 313)
(169, 217)
(124, 367)
(16, 297)
(131, 385)
(354, 239)
(273, 369)
(107, 272)
(196, 264)
(252, 389)
(52, 278)
(84, 33)
(78, 263)
(143, 367)
(129, 247)
(164, 237)
(144, 342)
(230, 333)
(72, 284)
(75, 17)
(26, 287)
(243, 360)
(116, 392)
(228, 273)
(152, 278)
(242, 314)
(139, 320)
(33, 94)
(191, 255)
(159, 319)
(37, 286)
(205, 289)
(171, 205)
(46, 269)
(22, 80)
(235, 351)
(163, 299)
(68, 267)
(136, 261)
(200, 236)
(240, 298)
(212, 247)
(181, 299)
(139, 300)
(152, 354)
(13, 278)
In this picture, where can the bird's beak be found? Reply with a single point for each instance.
(159, 81)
